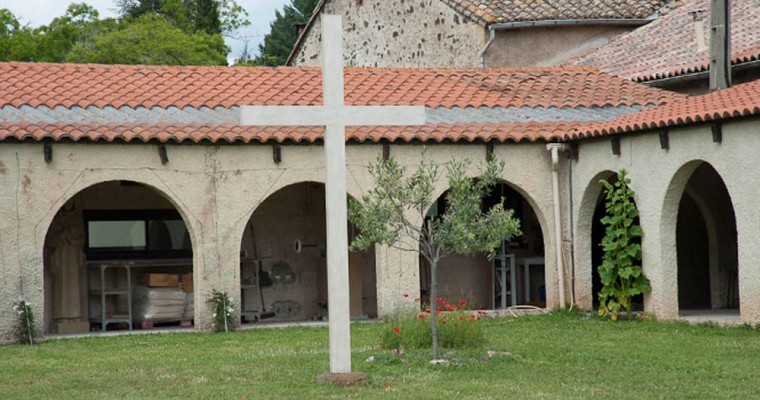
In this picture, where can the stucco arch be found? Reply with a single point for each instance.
(284, 181)
(546, 236)
(68, 226)
(85, 181)
(296, 211)
(676, 190)
(584, 268)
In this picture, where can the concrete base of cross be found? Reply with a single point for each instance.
(346, 379)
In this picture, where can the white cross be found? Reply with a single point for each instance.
(334, 115)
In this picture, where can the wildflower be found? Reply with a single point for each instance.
(461, 318)
(438, 300)
(478, 317)
(439, 309)
(462, 303)
(396, 329)
(405, 294)
(481, 312)
(472, 316)
(422, 315)
(417, 299)
(459, 308)
(427, 310)
(443, 322)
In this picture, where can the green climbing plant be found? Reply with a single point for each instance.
(621, 273)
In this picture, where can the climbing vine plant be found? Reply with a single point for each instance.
(621, 273)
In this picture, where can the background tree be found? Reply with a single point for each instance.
(52, 42)
(150, 39)
(283, 33)
(392, 212)
(210, 16)
(621, 274)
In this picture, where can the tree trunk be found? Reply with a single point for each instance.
(434, 307)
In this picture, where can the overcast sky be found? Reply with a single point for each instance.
(41, 12)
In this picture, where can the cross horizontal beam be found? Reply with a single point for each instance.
(332, 115)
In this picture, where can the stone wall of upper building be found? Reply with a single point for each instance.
(398, 33)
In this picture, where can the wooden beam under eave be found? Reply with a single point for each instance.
(615, 142)
(664, 139)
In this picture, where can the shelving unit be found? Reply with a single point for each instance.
(119, 285)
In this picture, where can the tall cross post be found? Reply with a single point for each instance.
(334, 115)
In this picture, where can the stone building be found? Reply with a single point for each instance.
(681, 63)
(463, 33)
(146, 168)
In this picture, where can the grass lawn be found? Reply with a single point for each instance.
(556, 356)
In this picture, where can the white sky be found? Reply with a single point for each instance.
(41, 12)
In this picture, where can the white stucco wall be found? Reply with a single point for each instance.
(658, 177)
(216, 189)
(398, 33)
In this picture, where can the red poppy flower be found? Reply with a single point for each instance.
(427, 310)
(396, 329)
(405, 294)
(461, 303)
(443, 322)
(422, 315)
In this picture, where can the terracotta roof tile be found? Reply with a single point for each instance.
(146, 86)
(494, 11)
(738, 101)
(668, 46)
(505, 132)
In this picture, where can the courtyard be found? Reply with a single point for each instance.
(560, 355)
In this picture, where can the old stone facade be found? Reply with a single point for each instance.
(397, 33)
(432, 34)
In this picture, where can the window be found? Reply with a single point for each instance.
(127, 234)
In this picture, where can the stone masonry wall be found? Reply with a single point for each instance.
(398, 33)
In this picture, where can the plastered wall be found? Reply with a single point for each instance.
(216, 190)
(398, 33)
(659, 176)
(546, 47)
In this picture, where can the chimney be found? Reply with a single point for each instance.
(698, 16)
(720, 44)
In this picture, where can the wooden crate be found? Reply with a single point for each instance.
(152, 279)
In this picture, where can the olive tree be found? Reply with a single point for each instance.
(392, 214)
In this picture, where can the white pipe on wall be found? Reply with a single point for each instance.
(554, 149)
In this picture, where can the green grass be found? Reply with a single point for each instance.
(556, 356)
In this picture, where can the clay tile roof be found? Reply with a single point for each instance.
(142, 103)
(496, 11)
(738, 101)
(165, 86)
(668, 46)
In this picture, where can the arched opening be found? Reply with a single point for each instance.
(117, 255)
(598, 231)
(283, 268)
(706, 244)
(516, 276)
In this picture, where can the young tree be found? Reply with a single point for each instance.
(392, 212)
(282, 35)
(621, 274)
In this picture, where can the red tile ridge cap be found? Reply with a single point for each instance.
(45, 65)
